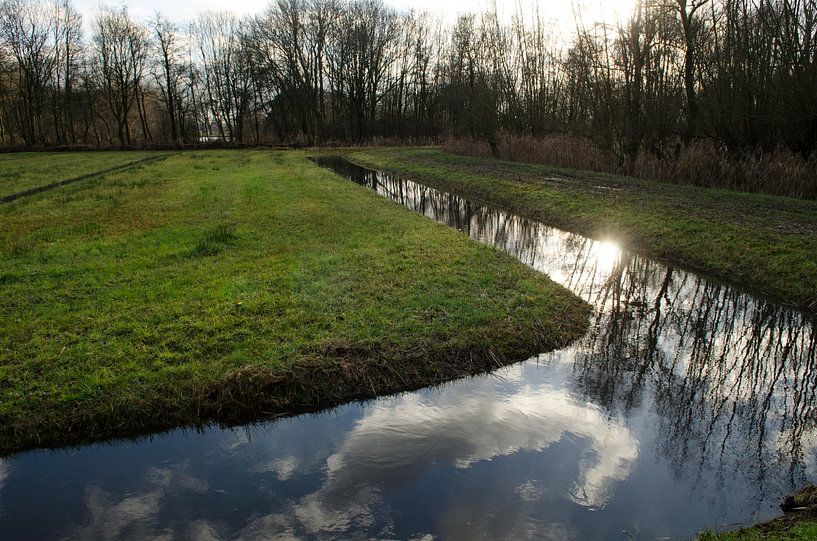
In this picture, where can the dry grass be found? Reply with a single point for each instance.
(702, 163)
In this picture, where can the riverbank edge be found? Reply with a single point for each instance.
(322, 381)
(637, 240)
(798, 522)
(786, 528)
(310, 380)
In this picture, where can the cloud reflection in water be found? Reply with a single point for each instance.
(400, 438)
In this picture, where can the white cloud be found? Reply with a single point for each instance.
(135, 515)
(284, 468)
(401, 438)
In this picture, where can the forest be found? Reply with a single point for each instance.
(709, 92)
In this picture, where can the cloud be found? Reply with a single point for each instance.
(284, 468)
(111, 518)
(399, 440)
(272, 527)
(395, 443)
(136, 515)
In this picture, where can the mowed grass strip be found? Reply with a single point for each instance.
(766, 243)
(25, 170)
(228, 285)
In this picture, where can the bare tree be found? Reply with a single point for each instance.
(288, 46)
(361, 53)
(68, 50)
(224, 58)
(691, 26)
(169, 72)
(26, 31)
(121, 49)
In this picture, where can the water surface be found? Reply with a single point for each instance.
(689, 404)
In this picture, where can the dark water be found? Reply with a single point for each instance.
(689, 404)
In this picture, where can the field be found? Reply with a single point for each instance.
(766, 244)
(23, 171)
(235, 285)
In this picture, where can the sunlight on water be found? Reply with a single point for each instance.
(607, 256)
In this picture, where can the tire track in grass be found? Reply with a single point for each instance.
(86, 176)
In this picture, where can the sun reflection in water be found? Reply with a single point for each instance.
(607, 255)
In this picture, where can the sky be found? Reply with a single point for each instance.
(560, 11)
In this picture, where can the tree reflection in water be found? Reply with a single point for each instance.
(732, 376)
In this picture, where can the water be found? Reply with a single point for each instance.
(689, 404)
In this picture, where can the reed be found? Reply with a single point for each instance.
(701, 163)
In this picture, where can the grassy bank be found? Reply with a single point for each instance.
(765, 243)
(231, 285)
(799, 522)
(772, 531)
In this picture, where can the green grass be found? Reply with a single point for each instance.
(766, 243)
(229, 285)
(24, 170)
(772, 531)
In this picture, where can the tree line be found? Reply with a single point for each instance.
(742, 73)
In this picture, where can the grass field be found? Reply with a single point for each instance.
(24, 170)
(766, 243)
(231, 285)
